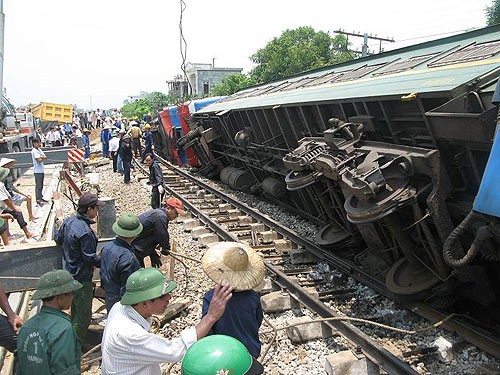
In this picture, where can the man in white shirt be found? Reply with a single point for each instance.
(53, 137)
(38, 157)
(114, 145)
(128, 347)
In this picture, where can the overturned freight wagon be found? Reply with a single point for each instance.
(386, 153)
(171, 135)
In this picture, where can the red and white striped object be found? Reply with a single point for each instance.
(76, 155)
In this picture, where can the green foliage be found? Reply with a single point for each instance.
(296, 51)
(493, 13)
(231, 84)
(150, 103)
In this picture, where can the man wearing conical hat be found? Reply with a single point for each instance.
(243, 268)
(7, 205)
(47, 343)
(18, 196)
(105, 138)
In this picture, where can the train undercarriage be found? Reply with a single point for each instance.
(386, 154)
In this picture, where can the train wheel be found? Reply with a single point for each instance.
(298, 180)
(406, 279)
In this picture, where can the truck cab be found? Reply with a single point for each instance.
(8, 115)
(17, 129)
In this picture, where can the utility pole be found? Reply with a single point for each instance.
(2, 30)
(365, 36)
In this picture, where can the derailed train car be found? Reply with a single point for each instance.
(171, 127)
(386, 153)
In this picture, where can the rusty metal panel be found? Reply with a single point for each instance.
(358, 73)
(469, 53)
(407, 64)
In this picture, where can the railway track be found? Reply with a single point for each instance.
(217, 216)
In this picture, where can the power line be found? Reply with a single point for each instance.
(440, 34)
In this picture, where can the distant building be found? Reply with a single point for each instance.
(134, 98)
(202, 77)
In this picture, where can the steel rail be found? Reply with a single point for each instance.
(343, 265)
(483, 341)
(374, 351)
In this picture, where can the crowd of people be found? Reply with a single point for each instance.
(52, 341)
(121, 141)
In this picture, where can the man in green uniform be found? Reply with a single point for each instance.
(47, 343)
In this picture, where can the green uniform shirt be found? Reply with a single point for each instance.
(47, 344)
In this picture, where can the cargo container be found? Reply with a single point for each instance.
(50, 112)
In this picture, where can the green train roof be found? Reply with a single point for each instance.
(438, 67)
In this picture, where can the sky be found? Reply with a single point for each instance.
(97, 53)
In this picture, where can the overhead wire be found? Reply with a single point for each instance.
(432, 35)
(183, 45)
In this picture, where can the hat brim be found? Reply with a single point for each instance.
(6, 161)
(98, 203)
(70, 287)
(126, 233)
(244, 279)
(178, 210)
(133, 298)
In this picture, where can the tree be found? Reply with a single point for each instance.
(493, 13)
(230, 84)
(158, 100)
(149, 103)
(296, 51)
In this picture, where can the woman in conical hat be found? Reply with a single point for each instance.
(243, 268)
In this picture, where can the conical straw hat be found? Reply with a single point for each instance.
(234, 263)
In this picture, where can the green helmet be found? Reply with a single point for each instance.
(54, 283)
(127, 225)
(146, 284)
(219, 354)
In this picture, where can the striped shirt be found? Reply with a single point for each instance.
(129, 348)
